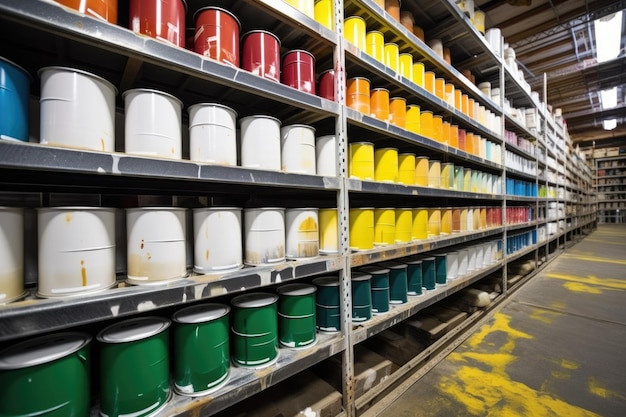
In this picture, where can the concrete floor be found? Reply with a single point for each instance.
(556, 348)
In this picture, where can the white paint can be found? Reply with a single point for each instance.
(156, 248)
(260, 142)
(76, 250)
(487, 254)
(463, 260)
(471, 259)
(153, 124)
(264, 235)
(11, 254)
(212, 134)
(480, 256)
(77, 109)
(218, 244)
(302, 233)
(452, 265)
(326, 155)
(297, 149)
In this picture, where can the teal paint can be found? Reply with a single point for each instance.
(440, 269)
(47, 375)
(380, 287)
(201, 349)
(254, 329)
(134, 367)
(361, 296)
(398, 281)
(428, 273)
(414, 275)
(296, 315)
(328, 314)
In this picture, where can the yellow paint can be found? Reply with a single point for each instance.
(413, 119)
(386, 165)
(406, 168)
(421, 171)
(354, 31)
(384, 226)
(404, 225)
(361, 162)
(324, 14)
(329, 230)
(375, 45)
(420, 224)
(361, 231)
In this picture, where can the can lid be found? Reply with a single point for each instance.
(8, 61)
(74, 208)
(393, 265)
(200, 313)
(302, 51)
(412, 261)
(296, 289)
(430, 258)
(299, 125)
(360, 276)
(221, 9)
(133, 329)
(78, 71)
(254, 299)
(374, 269)
(223, 106)
(259, 116)
(155, 208)
(42, 350)
(354, 17)
(326, 281)
(152, 91)
(379, 89)
(261, 31)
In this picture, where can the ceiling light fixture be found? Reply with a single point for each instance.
(608, 36)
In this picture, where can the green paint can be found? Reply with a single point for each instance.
(380, 287)
(328, 315)
(47, 375)
(296, 315)
(134, 367)
(440, 269)
(398, 282)
(201, 349)
(254, 329)
(414, 275)
(428, 273)
(361, 296)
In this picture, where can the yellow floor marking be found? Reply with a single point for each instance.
(583, 288)
(594, 259)
(597, 388)
(558, 305)
(544, 316)
(608, 283)
(567, 364)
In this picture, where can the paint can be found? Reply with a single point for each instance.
(302, 233)
(264, 235)
(105, 10)
(480, 254)
(456, 220)
(329, 231)
(217, 35)
(304, 6)
(326, 85)
(440, 269)
(213, 134)
(397, 111)
(404, 225)
(379, 104)
(361, 297)
(438, 128)
(152, 123)
(479, 21)
(413, 119)
(298, 70)
(422, 167)
(463, 260)
(437, 47)
(434, 173)
(327, 310)
(260, 142)
(426, 124)
(434, 222)
(487, 254)
(134, 367)
(428, 273)
(429, 81)
(418, 74)
(446, 221)
(217, 239)
(420, 224)
(76, 250)
(407, 20)
(260, 54)
(326, 155)
(14, 96)
(361, 228)
(358, 94)
(297, 149)
(386, 165)
(447, 175)
(354, 31)
(449, 94)
(392, 56)
(296, 315)
(393, 8)
(471, 259)
(398, 281)
(379, 283)
(46, 375)
(464, 215)
(254, 329)
(384, 226)
(375, 45)
(324, 14)
(406, 168)
(361, 162)
(467, 179)
(458, 178)
(201, 349)
(11, 254)
(160, 19)
(445, 137)
(440, 88)
(405, 65)
(414, 275)
(452, 265)
(87, 103)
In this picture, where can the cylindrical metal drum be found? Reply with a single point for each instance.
(361, 296)
(398, 281)
(297, 149)
(361, 160)
(218, 245)
(386, 164)
(296, 315)
(329, 230)
(217, 35)
(361, 228)
(354, 31)
(379, 283)
(264, 235)
(11, 254)
(298, 70)
(213, 134)
(14, 96)
(160, 19)
(260, 54)
(260, 142)
(326, 85)
(326, 155)
(327, 310)
(384, 226)
(100, 9)
(302, 233)
(254, 328)
(358, 94)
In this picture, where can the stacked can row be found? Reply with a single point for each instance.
(370, 227)
(519, 163)
(376, 102)
(520, 142)
(519, 215)
(521, 188)
(388, 165)
(134, 355)
(520, 241)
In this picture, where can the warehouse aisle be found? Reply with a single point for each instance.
(557, 348)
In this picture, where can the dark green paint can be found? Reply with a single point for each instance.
(398, 282)
(441, 271)
(380, 287)
(414, 275)
(428, 273)
(327, 312)
(296, 315)
(361, 296)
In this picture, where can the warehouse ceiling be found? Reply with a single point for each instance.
(558, 38)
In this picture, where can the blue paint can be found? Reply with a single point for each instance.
(14, 95)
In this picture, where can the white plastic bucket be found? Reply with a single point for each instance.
(260, 142)
(152, 123)
(156, 249)
(77, 109)
(212, 134)
(452, 265)
(297, 149)
(302, 233)
(76, 250)
(326, 155)
(11, 254)
(218, 245)
(264, 235)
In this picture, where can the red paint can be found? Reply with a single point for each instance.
(261, 54)
(100, 9)
(326, 87)
(159, 19)
(299, 70)
(217, 34)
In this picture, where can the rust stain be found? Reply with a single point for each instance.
(172, 151)
(102, 144)
(68, 217)
(206, 255)
(83, 273)
(148, 256)
(142, 244)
